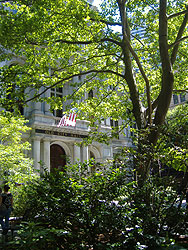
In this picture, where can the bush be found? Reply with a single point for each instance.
(100, 211)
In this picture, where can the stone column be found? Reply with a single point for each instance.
(85, 153)
(30, 105)
(46, 154)
(36, 153)
(108, 121)
(37, 108)
(46, 105)
(76, 153)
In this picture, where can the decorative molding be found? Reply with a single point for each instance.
(59, 133)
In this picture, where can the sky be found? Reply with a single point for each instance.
(96, 2)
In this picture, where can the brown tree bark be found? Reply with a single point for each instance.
(167, 73)
(129, 77)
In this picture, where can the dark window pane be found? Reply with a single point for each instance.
(60, 90)
(90, 94)
(116, 123)
(182, 97)
(111, 123)
(175, 98)
(59, 113)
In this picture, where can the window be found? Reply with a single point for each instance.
(113, 123)
(115, 127)
(132, 128)
(126, 132)
(175, 98)
(79, 78)
(58, 93)
(182, 97)
(90, 94)
(14, 94)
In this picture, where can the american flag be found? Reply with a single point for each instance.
(69, 120)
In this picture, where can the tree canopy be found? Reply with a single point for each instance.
(176, 137)
(15, 166)
(132, 54)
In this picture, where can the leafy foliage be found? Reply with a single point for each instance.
(178, 125)
(100, 211)
(172, 146)
(133, 68)
(76, 40)
(15, 166)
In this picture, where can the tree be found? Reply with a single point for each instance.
(178, 126)
(175, 139)
(99, 211)
(15, 167)
(134, 70)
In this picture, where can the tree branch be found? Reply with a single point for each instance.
(90, 42)
(180, 90)
(178, 14)
(104, 97)
(154, 105)
(178, 41)
(84, 82)
(167, 73)
(143, 75)
(70, 77)
(106, 22)
(76, 42)
(129, 77)
(126, 36)
(138, 40)
(84, 61)
(179, 38)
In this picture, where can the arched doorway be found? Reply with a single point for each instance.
(92, 156)
(93, 163)
(57, 157)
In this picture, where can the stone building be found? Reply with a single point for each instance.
(178, 99)
(54, 146)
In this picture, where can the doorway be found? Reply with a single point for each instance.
(57, 158)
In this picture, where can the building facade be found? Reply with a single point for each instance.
(53, 147)
(179, 99)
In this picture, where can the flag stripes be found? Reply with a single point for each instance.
(71, 120)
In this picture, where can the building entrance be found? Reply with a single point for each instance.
(57, 158)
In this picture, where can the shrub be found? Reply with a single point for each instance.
(100, 211)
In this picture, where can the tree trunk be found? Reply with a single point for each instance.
(165, 93)
(167, 74)
(129, 76)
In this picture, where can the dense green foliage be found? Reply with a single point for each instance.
(131, 54)
(175, 138)
(48, 43)
(133, 72)
(16, 167)
(100, 211)
(177, 122)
